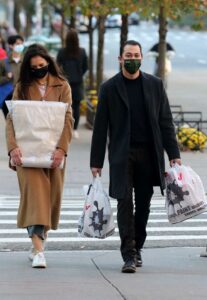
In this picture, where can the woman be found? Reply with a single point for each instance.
(40, 189)
(73, 61)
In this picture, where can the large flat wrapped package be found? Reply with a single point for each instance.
(38, 126)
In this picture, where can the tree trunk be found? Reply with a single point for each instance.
(17, 8)
(28, 27)
(162, 42)
(124, 31)
(90, 32)
(62, 32)
(72, 16)
(100, 59)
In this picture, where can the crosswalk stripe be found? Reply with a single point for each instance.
(78, 213)
(108, 239)
(74, 230)
(15, 203)
(74, 213)
(63, 221)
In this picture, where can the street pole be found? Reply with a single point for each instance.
(38, 9)
(11, 12)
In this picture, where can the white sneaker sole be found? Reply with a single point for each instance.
(40, 266)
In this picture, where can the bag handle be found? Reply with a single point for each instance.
(97, 182)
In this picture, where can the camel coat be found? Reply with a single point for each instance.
(41, 189)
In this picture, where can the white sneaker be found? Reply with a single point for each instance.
(32, 250)
(75, 134)
(39, 261)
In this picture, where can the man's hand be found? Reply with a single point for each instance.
(57, 158)
(96, 171)
(16, 155)
(175, 161)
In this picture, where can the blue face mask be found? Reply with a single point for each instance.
(19, 48)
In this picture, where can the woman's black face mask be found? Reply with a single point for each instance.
(39, 73)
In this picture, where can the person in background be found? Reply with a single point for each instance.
(133, 109)
(40, 188)
(2, 42)
(5, 76)
(7, 30)
(74, 63)
(170, 53)
(15, 50)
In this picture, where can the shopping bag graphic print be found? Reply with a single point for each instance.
(185, 197)
(97, 217)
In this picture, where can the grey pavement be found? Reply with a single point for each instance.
(168, 273)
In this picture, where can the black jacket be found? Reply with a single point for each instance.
(74, 68)
(113, 117)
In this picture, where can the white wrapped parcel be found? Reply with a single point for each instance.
(38, 126)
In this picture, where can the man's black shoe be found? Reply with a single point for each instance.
(129, 266)
(138, 259)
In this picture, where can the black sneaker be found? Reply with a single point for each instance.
(129, 266)
(138, 259)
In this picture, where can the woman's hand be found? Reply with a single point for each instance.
(16, 155)
(57, 158)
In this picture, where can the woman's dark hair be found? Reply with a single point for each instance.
(25, 76)
(72, 49)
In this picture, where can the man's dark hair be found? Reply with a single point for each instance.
(13, 38)
(132, 43)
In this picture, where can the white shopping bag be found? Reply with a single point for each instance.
(38, 126)
(97, 218)
(185, 197)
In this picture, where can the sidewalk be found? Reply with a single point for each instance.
(167, 274)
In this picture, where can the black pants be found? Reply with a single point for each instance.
(132, 214)
(76, 113)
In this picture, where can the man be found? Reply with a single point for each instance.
(133, 109)
(16, 47)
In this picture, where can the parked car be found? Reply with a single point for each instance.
(52, 43)
(82, 24)
(113, 21)
(134, 19)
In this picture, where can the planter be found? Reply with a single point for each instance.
(91, 108)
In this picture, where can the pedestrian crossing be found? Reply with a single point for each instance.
(161, 233)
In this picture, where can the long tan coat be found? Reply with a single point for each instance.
(41, 189)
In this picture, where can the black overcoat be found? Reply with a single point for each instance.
(113, 118)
